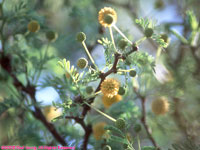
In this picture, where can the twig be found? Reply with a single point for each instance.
(143, 118)
(5, 62)
(86, 108)
(87, 129)
(132, 13)
(178, 118)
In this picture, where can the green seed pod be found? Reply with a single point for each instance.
(89, 89)
(51, 36)
(108, 19)
(107, 147)
(132, 73)
(33, 26)
(137, 128)
(120, 123)
(122, 44)
(81, 37)
(82, 63)
(121, 91)
(148, 32)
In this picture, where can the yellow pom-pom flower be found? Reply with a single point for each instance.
(98, 130)
(107, 17)
(110, 87)
(33, 26)
(107, 101)
(160, 106)
(51, 112)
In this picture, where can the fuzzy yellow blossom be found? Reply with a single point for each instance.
(107, 101)
(98, 130)
(110, 87)
(160, 106)
(51, 112)
(107, 17)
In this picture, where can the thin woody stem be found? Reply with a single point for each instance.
(143, 118)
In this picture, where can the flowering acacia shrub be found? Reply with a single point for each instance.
(117, 58)
(120, 106)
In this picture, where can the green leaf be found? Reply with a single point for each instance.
(118, 139)
(114, 129)
(159, 40)
(60, 64)
(148, 148)
(68, 65)
(3, 108)
(193, 22)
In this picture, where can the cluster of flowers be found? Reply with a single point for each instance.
(110, 88)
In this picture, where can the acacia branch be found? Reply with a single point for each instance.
(178, 118)
(131, 10)
(143, 118)
(86, 108)
(5, 62)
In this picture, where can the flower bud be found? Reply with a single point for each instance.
(148, 32)
(82, 63)
(108, 19)
(107, 147)
(159, 4)
(132, 73)
(137, 128)
(51, 36)
(81, 37)
(125, 146)
(121, 91)
(120, 123)
(89, 89)
(33, 26)
(122, 44)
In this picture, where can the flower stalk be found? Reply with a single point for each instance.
(88, 53)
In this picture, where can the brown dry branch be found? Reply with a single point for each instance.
(5, 63)
(143, 118)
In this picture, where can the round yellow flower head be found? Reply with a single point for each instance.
(107, 101)
(33, 26)
(160, 106)
(98, 130)
(51, 112)
(110, 87)
(107, 17)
